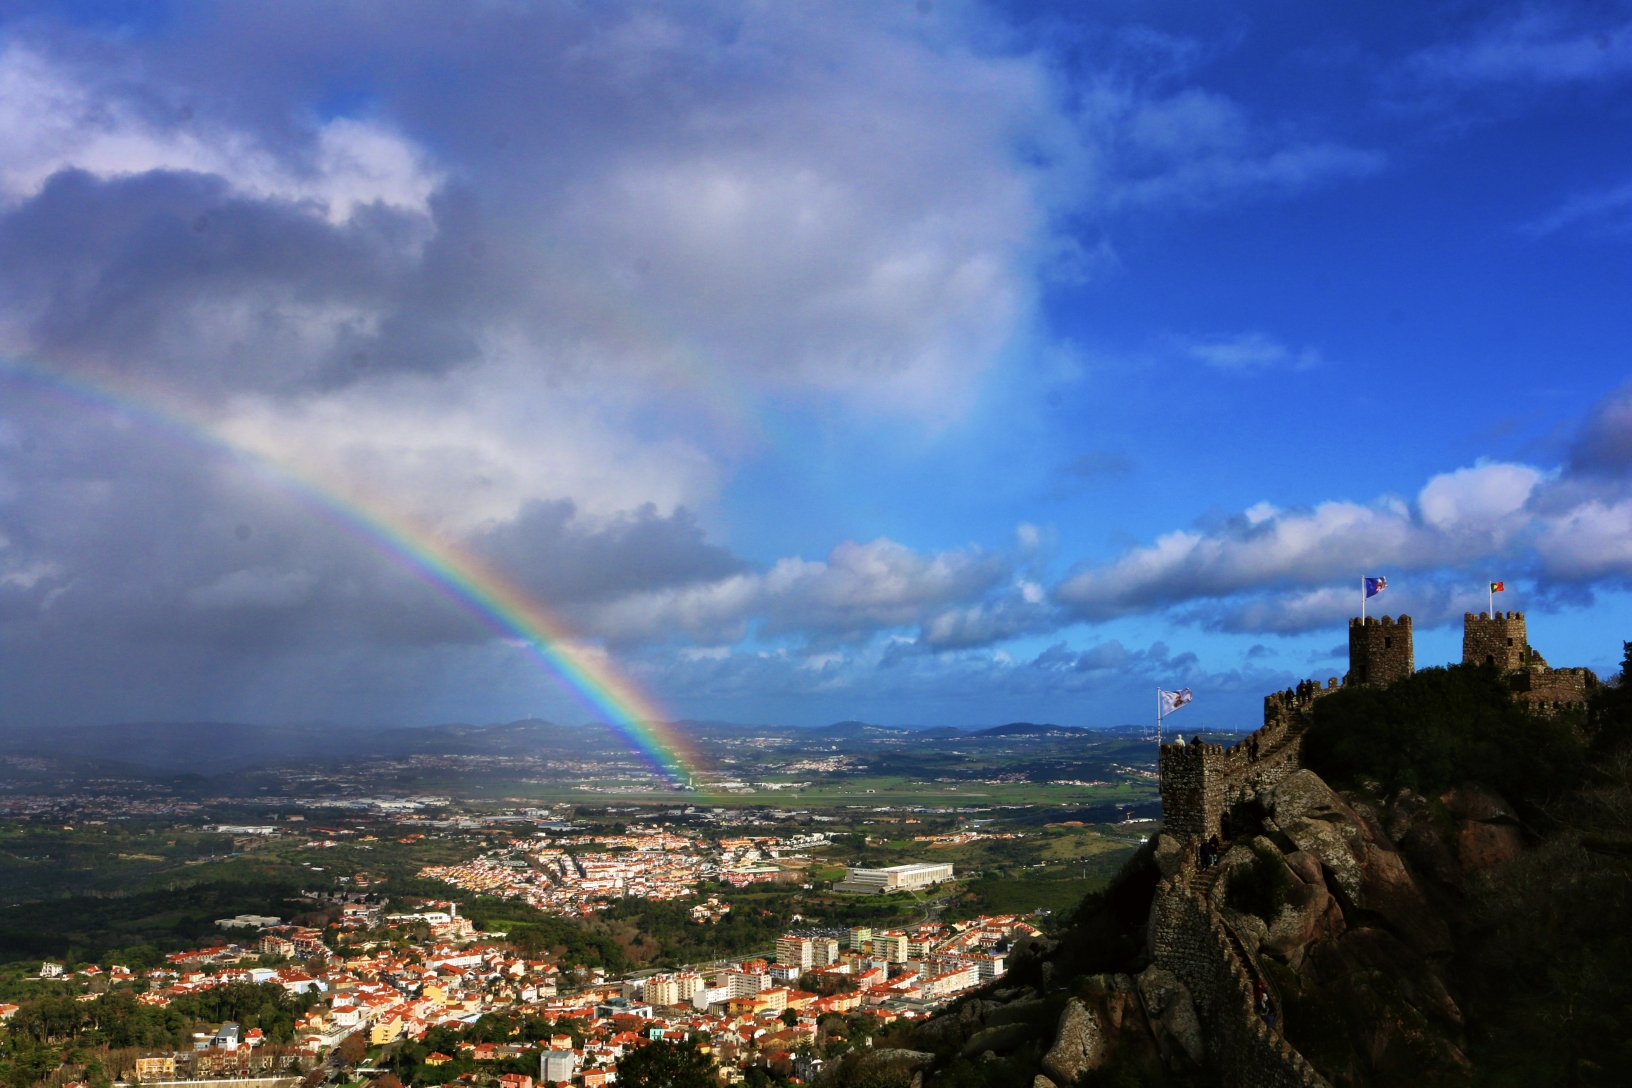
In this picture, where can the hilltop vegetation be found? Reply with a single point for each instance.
(1441, 727)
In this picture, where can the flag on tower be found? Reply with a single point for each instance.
(1498, 587)
(1172, 700)
(1375, 586)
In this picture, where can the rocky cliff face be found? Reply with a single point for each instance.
(1357, 940)
(1347, 905)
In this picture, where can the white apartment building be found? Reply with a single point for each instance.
(746, 983)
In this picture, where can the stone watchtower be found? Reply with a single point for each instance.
(1380, 651)
(1497, 639)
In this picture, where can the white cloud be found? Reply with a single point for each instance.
(54, 117)
(1488, 498)
(1275, 569)
(960, 597)
(1589, 542)
(460, 454)
(1247, 352)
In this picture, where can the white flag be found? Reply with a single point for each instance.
(1172, 700)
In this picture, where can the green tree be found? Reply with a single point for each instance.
(1609, 715)
(661, 1064)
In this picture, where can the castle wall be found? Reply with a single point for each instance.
(1380, 651)
(1498, 639)
(1548, 689)
(1190, 938)
(1199, 781)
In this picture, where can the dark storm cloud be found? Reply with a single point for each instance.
(562, 560)
(1603, 447)
(174, 273)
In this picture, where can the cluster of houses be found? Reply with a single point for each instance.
(580, 874)
(744, 1013)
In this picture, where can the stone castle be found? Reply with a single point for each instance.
(1201, 782)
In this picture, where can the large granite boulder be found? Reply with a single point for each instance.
(942, 1032)
(1488, 832)
(1389, 890)
(1309, 914)
(897, 1056)
(1172, 1015)
(1167, 855)
(1371, 875)
(1321, 824)
(1080, 1044)
(1472, 802)
(1481, 846)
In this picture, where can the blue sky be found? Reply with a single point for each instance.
(925, 363)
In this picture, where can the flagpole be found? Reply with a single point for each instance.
(1362, 600)
(1490, 588)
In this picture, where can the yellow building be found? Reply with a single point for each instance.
(773, 1000)
(661, 990)
(386, 1029)
(155, 1068)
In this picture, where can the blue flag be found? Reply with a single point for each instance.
(1375, 586)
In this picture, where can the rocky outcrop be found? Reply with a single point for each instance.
(1167, 855)
(1362, 863)
(1080, 1044)
(1016, 1012)
(899, 1056)
(1337, 909)
(1172, 1015)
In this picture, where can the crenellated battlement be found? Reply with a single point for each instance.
(1501, 639)
(1381, 651)
(1496, 639)
(1199, 781)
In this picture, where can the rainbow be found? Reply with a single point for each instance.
(458, 575)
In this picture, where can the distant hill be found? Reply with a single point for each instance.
(853, 729)
(1031, 729)
(213, 747)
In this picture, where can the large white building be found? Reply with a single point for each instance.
(897, 878)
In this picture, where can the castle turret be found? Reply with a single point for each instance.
(1498, 640)
(1380, 651)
